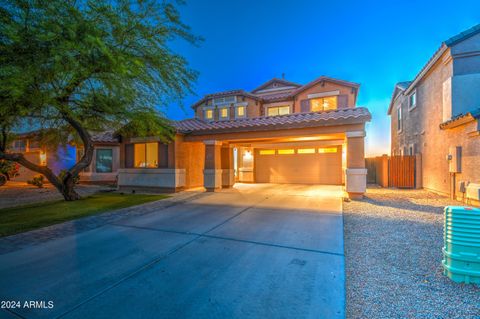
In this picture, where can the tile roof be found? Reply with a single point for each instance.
(277, 96)
(282, 81)
(295, 120)
(403, 85)
(443, 47)
(463, 35)
(461, 119)
(104, 137)
(400, 86)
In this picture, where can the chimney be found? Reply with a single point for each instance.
(283, 76)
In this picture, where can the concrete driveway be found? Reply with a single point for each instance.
(255, 251)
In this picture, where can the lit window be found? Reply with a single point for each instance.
(240, 111)
(323, 104)
(104, 161)
(278, 110)
(208, 114)
(267, 152)
(286, 151)
(327, 150)
(306, 151)
(146, 155)
(223, 113)
(43, 158)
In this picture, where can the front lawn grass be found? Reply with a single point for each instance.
(20, 219)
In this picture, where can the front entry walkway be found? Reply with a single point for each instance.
(255, 251)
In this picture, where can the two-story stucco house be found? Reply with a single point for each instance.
(437, 115)
(280, 132)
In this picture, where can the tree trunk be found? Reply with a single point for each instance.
(68, 191)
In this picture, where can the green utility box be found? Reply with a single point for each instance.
(461, 250)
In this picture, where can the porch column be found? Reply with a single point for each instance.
(356, 173)
(212, 173)
(228, 175)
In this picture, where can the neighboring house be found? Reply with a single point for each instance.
(437, 115)
(103, 169)
(281, 132)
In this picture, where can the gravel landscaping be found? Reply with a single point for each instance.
(393, 241)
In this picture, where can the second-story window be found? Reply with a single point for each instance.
(19, 145)
(224, 100)
(240, 111)
(412, 100)
(209, 114)
(399, 119)
(223, 113)
(278, 110)
(323, 104)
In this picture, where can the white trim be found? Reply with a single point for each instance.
(220, 118)
(244, 105)
(323, 94)
(224, 102)
(204, 110)
(266, 107)
(355, 134)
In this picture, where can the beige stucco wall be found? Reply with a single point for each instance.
(327, 87)
(421, 127)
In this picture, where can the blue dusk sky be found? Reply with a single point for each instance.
(374, 43)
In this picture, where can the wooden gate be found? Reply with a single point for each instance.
(370, 165)
(401, 171)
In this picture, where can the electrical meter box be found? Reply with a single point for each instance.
(455, 159)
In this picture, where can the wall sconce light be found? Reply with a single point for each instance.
(43, 158)
(247, 155)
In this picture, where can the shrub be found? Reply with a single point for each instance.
(37, 181)
(9, 168)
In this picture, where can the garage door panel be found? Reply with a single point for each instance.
(318, 168)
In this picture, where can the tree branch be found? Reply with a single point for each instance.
(44, 170)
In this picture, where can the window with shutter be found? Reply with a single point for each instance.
(305, 106)
(129, 156)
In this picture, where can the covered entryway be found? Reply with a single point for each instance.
(299, 165)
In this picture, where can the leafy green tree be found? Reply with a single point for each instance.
(74, 67)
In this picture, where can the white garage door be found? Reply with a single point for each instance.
(309, 165)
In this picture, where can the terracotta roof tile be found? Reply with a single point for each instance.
(104, 137)
(295, 120)
(277, 96)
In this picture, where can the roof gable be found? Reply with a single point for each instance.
(325, 79)
(444, 46)
(276, 84)
(463, 36)
(400, 87)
